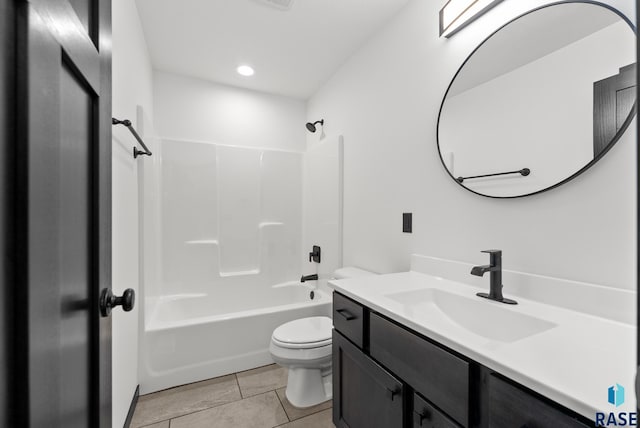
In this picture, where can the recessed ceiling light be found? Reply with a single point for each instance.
(245, 70)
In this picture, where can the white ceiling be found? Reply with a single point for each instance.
(293, 52)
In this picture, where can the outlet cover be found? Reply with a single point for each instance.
(407, 222)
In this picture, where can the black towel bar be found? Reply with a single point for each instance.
(524, 172)
(127, 123)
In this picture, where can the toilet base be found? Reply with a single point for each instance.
(309, 387)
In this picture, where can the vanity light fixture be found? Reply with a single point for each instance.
(457, 14)
(245, 70)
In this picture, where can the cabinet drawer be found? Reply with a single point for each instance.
(510, 406)
(439, 376)
(348, 318)
(427, 416)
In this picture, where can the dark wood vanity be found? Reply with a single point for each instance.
(388, 376)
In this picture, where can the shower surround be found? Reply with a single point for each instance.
(222, 236)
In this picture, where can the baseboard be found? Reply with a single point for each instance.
(132, 408)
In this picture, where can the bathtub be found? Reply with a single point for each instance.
(192, 337)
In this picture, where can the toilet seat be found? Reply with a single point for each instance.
(305, 333)
(301, 357)
(301, 345)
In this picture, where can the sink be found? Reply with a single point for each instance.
(484, 318)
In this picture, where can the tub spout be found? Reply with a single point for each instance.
(313, 277)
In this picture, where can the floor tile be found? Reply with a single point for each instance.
(262, 379)
(179, 401)
(259, 411)
(163, 424)
(317, 420)
(294, 413)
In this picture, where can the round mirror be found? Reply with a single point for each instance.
(540, 100)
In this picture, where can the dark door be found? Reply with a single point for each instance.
(63, 213)
(7, 163)
(613, 99)
(364, 394)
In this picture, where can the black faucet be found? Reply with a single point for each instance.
(495, 268)
(314, 255)
(313, 277)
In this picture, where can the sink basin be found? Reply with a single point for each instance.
(479, 316)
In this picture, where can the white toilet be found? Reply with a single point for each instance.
(304, 347)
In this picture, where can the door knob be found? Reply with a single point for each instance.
(108, 301)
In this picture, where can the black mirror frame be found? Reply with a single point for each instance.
(619, 134)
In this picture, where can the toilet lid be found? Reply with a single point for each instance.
(311, 330)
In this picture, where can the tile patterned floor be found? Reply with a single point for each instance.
(251, 399)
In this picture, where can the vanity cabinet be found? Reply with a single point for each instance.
(386, 375)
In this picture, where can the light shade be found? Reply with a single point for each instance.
(245, 70)
(456, 14)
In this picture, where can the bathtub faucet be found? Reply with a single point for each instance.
(313, 277)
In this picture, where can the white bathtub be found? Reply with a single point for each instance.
(192, 337)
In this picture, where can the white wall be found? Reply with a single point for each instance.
(198, 110)
(132, 87)
(385, 102)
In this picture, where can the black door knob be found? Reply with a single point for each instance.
(108, 301)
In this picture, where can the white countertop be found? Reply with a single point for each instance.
(573, 363)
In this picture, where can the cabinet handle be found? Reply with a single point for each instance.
(346, 314)
(391, 393)
(425, 415)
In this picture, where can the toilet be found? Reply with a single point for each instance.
(304, 347)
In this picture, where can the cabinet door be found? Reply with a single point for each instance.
(364, 394)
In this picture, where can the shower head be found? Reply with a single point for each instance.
(312, 126)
